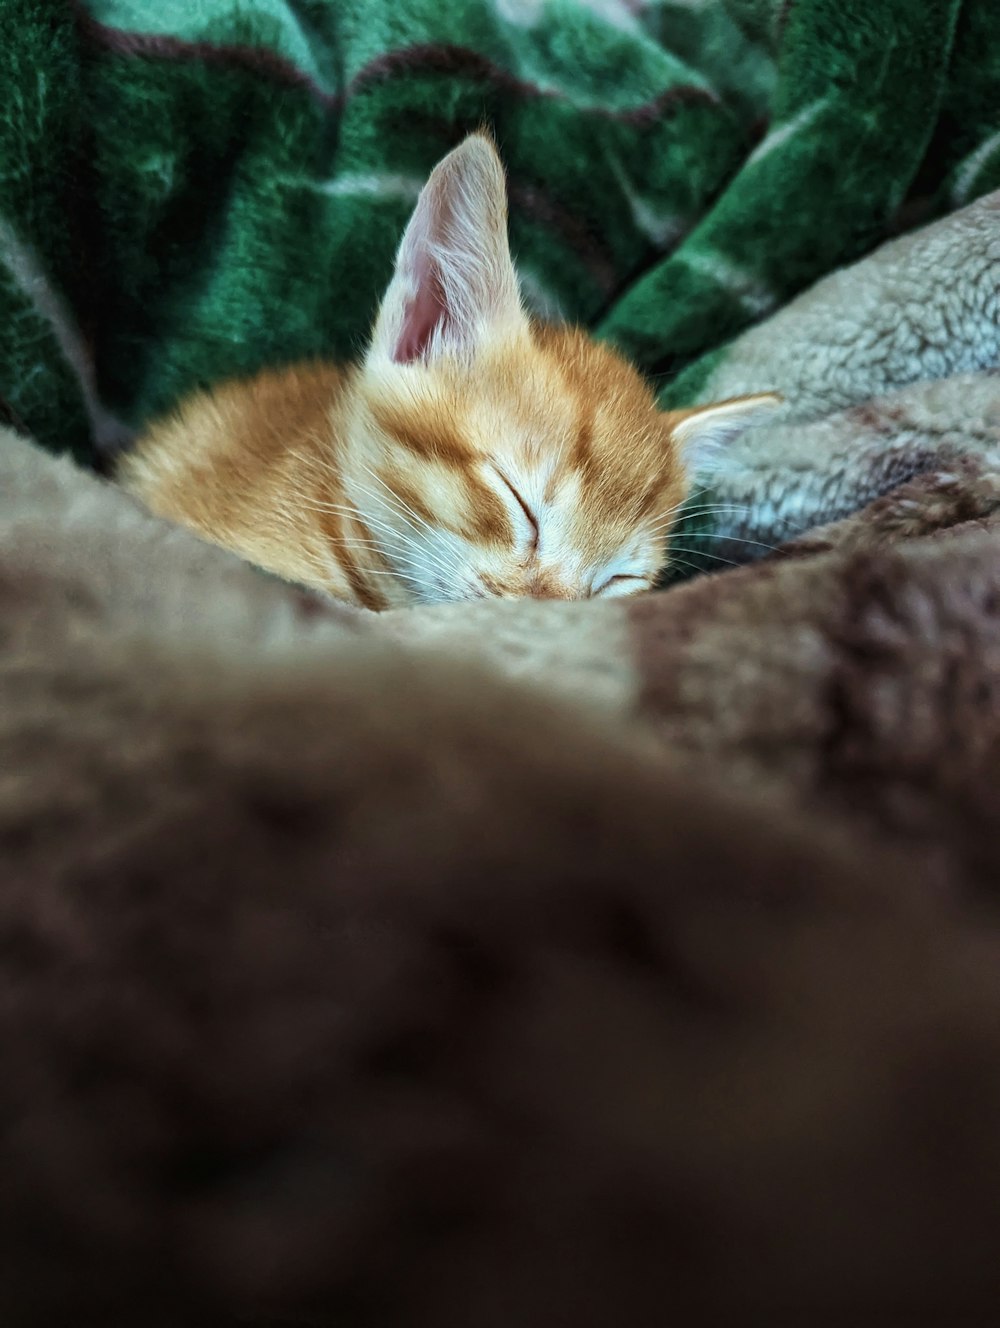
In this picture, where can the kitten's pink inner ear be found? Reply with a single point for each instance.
(425, 311)
(426, 308)
(454, 285)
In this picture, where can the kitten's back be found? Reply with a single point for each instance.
(248, 464)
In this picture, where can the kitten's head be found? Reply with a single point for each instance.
(492, 456)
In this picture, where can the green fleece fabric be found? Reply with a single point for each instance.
(192, 189)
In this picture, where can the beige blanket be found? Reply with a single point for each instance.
(628, 962)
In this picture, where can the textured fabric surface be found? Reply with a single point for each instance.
(506, 963)
(514, 962)
(889, 366)
(192, 190)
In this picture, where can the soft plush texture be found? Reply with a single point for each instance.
(510, 963)
(452, 966)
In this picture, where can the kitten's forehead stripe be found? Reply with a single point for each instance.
(488, 520)
(583, 443)
(431, 433)
(579, 431)
(649, 500)
(380, 483)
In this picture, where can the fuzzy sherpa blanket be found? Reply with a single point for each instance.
(517, 963)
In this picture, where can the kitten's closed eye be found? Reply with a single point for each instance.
(622, 584)
(365, 482)
(530, 517)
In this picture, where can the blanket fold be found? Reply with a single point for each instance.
(389, 968)
(507, 962)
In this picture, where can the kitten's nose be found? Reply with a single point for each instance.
(546, 586)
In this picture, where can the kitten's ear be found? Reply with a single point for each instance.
(454, 285)
(704, 432)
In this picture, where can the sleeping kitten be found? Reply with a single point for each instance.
(473, 452)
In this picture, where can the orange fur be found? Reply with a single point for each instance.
(472, 453)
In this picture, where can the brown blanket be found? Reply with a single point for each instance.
(623, 963)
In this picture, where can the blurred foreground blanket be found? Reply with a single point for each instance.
(516, 963)
(625, 962)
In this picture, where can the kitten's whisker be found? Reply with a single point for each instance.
(362, 520)
(685, 563)
(395, 562)
(397, 534)
(396, 504)
(358, 543)
(397, 576)
(720, 535)
(735, 539)
(678, 528)
(390, 534)
(337, 510)
(683, 510)
(745, 508)
(394, 497)
(709, 507)
(428, 554)
(700, 553)
(679, 515)
(354, 546)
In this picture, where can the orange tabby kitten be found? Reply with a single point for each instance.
(471, 453)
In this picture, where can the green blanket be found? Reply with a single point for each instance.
(190, 190)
